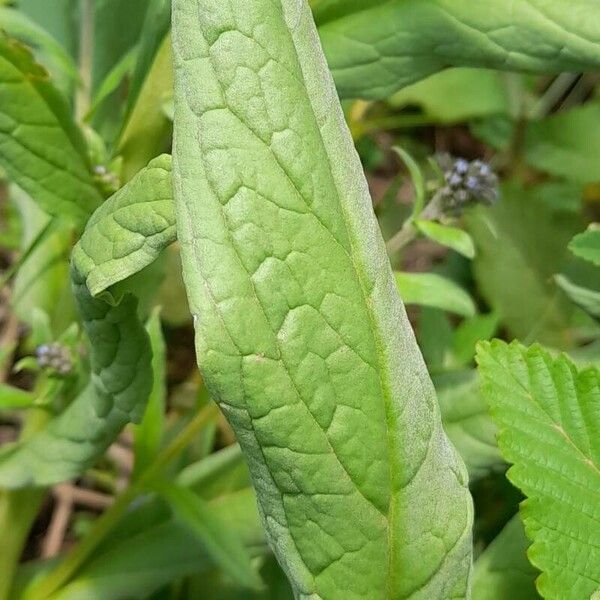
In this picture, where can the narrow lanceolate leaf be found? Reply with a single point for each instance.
(130, 229)
(41, 148)
(123, 236)
(301, 336)
(548, 413)
(374, 47)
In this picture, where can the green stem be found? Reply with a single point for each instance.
(86, 57)
(76, 557)
(409, 231)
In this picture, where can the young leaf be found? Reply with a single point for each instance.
(214, 534)
(41, 148)
(429, 289)
(468, 333)
(503, 572)
(301, 336)
(548, 414)
(130, 229)
(374, 47)
(454, 238)
(587, 245)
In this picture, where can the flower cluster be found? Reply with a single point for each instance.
(54, 356)
(467, 182)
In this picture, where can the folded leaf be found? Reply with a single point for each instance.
(123, 236)
(41, 148)
(548, 414)
(301, 336)
(588, 300)
(374, 47)
(129, 230)
(503, 572)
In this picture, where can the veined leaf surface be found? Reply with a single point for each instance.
(548, 414)
(301, 335)
(123, 236)
(375, 47)
(41, 148)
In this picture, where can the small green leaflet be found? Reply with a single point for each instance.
(452, 237)
(429, 289)
(588, 300)
(587, 245)
(548, 414)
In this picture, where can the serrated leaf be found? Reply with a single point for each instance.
(429, 289)
(452, 237)
(129, 230)
(587, 245)
(41, 148)
(375, 47)
(300, 333)
(548, 414)
(503, 572)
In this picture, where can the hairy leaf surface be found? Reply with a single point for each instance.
(301, 336)
(40, 146)
(548, 414)
(375, 47)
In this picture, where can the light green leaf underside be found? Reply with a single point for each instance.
(300, 334)
(503, 572)
(124, 235)
(429, 289)
(548, 414)
(452, 237)
(376, 47)
(41, 148)
(129, 230)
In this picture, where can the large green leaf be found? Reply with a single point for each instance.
(548, 414)
(301, 336)
(121, 239)
(374, 47)
(40, 146)
(503, 572)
